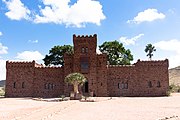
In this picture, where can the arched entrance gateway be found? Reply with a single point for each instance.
(85, 88)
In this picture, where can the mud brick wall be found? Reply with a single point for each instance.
(19, 79)
(144, 78)
(48, 82)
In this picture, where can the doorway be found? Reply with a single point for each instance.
(86, 87)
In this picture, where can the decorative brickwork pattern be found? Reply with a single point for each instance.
(144, 78)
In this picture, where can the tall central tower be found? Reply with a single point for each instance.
(85, 59)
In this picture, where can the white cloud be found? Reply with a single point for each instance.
(148, 15)
(1, 33)
(76, 15)
(3, 49)
(33, 41)
(98, 51)
(172, 46)
(3, 69)
(29, 55)
(17, 10)
(130, 41)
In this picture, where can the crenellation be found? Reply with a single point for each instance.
(19, 64)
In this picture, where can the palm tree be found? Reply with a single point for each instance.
(149, 50)
(75, 79)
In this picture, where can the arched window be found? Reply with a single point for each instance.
(23, 85)
(150, 84)
(123, 86)
(158, 84)
(119, 86)
(46, 86)
(49, 86)
(14, 85)
(126, 85)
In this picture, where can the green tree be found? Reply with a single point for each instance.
(116, 53)
(56, 53)
(75, 79)
(149, 50)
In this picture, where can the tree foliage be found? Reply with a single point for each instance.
(149, 50)
(56, 53)
(116, 53)
(75, 79)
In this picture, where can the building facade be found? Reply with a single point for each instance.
(143, 78)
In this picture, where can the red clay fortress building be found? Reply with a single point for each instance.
(144, 78)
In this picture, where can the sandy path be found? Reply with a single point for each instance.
(123, 108)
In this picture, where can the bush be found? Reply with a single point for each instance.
(2, 91)
(174, 88)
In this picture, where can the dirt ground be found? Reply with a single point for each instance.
(117, 108)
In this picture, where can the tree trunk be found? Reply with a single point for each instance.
(76, 87)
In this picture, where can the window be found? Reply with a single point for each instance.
(84, 64)
(150, 84)
(46, 86)
(158, 84)
(119, 86)
(49, 86)
(14, 85)
(22, 84)
(82, 50)
(86, 50)
(124, 85)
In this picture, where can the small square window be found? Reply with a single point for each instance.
(82, 50)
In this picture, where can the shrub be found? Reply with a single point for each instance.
(2, 91)
(174, 88)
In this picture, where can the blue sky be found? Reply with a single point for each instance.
(29, 28)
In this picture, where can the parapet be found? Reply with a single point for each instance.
(83, 39)
(152, 63)
(20, 64)
(84, 36)
(120, 65)
(49, 67)
(29, 64)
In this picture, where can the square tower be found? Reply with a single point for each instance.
(84, 59)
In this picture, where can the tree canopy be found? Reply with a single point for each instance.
(56, 53)
(149, 50)
(75, 79)
(116, 53)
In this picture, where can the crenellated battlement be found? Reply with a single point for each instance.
(120, 65)
(84, 36)
(49, 67)
(152, 63)
(20, 64)
(84, 39)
